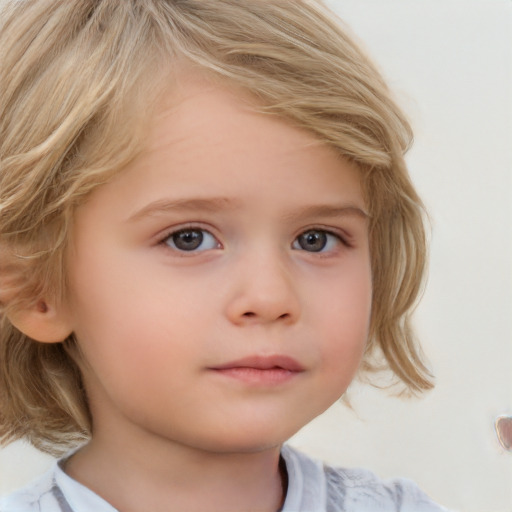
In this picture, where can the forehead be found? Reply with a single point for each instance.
(208, 141)
(199, 108)
(202, 120)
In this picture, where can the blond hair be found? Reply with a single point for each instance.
(80, 79)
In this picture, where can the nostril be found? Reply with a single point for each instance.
(249, 314)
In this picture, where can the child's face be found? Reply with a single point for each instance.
(220, 286)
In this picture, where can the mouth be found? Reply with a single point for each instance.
(267, 370)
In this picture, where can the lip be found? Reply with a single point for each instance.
(266, 370)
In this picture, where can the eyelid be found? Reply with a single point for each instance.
(327, 249)
(344, 236)
(166, 234)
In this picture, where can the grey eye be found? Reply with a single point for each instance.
(316, 240)
(191, 239)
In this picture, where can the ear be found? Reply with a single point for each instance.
(43, 322)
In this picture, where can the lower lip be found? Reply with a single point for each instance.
(270, 376)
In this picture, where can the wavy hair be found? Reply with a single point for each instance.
(80, 81)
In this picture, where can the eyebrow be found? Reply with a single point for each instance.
(330, 211)
(217, 204)
(163, 206)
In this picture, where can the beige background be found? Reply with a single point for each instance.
(451, 63)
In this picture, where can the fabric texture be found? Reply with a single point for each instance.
(316, 487)
(312, 487)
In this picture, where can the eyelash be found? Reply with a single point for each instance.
(327, 234)
(188, 229)
(295, 245)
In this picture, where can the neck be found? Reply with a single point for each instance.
(170, 476)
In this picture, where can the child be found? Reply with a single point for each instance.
(207, 229)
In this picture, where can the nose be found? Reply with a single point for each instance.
(264, 291)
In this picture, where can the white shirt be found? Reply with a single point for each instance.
(312, 487)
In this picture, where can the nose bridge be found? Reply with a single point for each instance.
(265, 288)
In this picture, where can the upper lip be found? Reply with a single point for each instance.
(264, 363)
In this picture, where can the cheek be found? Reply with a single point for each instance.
(346, 300)
(124, 365)
(132, 313)
(344, 318)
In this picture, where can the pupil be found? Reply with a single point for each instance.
(188, 240)
(313, 241)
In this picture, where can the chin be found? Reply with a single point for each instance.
(245, 440)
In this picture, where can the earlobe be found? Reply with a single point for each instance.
(42, 322)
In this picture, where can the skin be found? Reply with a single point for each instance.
(156, 324)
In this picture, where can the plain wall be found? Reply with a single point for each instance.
(450, 63)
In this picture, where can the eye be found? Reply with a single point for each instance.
(191, 239)
(317, 240)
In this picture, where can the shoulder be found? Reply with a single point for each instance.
(55, 491)
(37, 496)
(360, 490)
